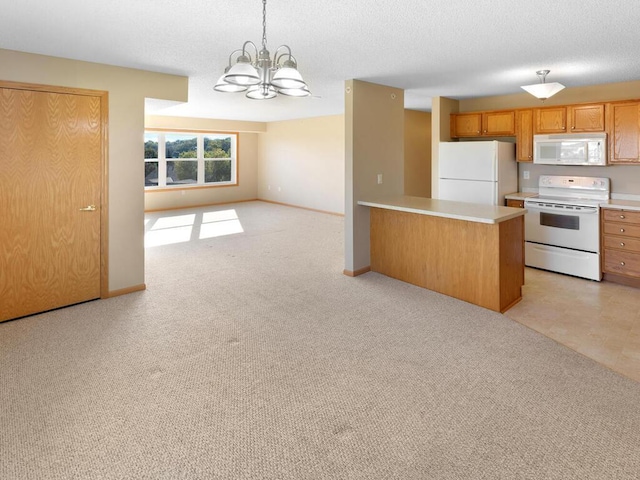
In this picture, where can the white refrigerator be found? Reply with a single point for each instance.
(477, 172)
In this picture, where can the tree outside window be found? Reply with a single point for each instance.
(186, 159)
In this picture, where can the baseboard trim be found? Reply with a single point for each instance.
(153, 210)
(124, 291)
(355, 273)
(303, 208)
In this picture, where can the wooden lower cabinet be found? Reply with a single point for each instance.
(479, 263)
(621, 246)
(515, 203)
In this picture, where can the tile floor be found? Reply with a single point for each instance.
(601, 320)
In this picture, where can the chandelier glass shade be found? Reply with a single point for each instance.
(261, 76)
(543, 90)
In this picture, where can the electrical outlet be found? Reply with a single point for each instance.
(525, 174)
(379, 179)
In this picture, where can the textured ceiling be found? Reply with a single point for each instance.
(451, 48)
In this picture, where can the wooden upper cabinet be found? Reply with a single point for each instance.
(466, 125)
(624, 132)
(550, 120)
(499, 124)
(570, 119)
(586, 118)
(524, 135)
(478, 124)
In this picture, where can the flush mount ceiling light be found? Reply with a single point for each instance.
(543, 90)
(260, 76)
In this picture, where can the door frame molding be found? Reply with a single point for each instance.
(104, 161)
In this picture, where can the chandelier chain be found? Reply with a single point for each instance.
(264, 24)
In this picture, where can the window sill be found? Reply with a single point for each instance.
(187, 187)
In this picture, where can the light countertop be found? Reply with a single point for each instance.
(520, 195)
(470, 212)
(622, 204)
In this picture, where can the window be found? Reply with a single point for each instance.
(189, 159)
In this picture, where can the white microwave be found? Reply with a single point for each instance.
(570, 149)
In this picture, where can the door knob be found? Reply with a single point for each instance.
(88, 208)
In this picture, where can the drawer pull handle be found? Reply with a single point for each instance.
(621, 216)
(622, 230)
(622, 263)
(622, 244)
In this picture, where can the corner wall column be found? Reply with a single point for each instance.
(374, 145)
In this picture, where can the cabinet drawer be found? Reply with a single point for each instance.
(623, 263)
(623, 229)
(621, 243)
(621, 216)
(515, 203)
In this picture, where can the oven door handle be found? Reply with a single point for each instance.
(562, 211)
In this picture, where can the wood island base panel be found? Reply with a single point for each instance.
(479, 263)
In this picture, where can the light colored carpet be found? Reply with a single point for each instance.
(250, 356)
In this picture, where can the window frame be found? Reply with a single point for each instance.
(200, 158)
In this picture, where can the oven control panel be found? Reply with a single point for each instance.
(589, 183)
(593, 188)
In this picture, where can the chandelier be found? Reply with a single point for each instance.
(543, 90)
(260, 76)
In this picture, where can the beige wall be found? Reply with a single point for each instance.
(247, 187)
(374, 144)
(208, 124)
(302, 163)
(625, 179)
(441, 109)
(417, 153)
(127, 90)
(591, 93)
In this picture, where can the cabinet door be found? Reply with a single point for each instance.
(551, 120)
(498, 124)
(586, 118)
(466, 125)
(624, 136)
(524, 135)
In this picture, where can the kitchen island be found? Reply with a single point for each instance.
(468, 251)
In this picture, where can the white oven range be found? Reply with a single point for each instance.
(562, 225)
